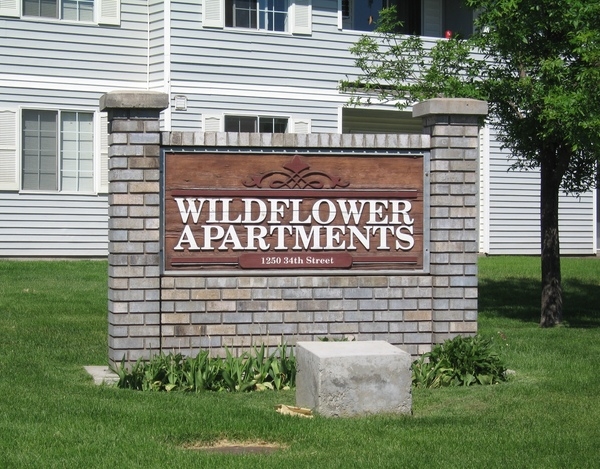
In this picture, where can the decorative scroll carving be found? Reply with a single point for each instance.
(297, 176)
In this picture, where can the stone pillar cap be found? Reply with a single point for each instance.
(134, 99)
(450, 106)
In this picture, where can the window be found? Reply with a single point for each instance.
(458, 18)
(363, 16)
(76, 10)
(269, 15)
(106, 12)
(419, 17)
(58, 151)
(290, 16)
(256, 124)
(379, 121)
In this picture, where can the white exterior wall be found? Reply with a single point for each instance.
(248, 72)
(40, 225)
(511, 209)
(53, 64)
(166, 46)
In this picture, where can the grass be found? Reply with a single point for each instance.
(53, 322)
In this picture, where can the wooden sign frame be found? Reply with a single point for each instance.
(301, 213)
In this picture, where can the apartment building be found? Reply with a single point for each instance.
(228, 65)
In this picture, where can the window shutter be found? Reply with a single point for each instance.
(213, 13)
(10, 8)
(109, 12)
(103, 189)
(432, 18)
(300, 126)
(9, 177)
(211, 123)
(302, 17)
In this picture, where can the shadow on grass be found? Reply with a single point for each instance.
(519, 299)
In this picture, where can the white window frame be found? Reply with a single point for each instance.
(299, 20)
(216, 122)
(259, 15)
(258, 119)
(60, 152)
(106, 12)
(79, 8)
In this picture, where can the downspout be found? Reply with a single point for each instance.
(167, 117)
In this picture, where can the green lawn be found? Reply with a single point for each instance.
(53, 322)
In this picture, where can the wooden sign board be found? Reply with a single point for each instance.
(312, 212)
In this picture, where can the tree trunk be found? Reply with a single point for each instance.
(551, 278)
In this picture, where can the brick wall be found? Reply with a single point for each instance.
(150, 311)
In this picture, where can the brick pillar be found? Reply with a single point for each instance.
(453, 126)
(134, 222)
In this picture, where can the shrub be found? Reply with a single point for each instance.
(461, 361)
(174, 372)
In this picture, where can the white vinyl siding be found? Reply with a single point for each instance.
(53, 225)
(52, 65)
(513, 223)
(484, 192)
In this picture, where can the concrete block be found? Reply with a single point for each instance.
(339, 379)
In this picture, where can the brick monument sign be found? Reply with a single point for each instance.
(226, 240)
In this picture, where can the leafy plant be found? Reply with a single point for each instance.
(261, 366)
(202, 372)
(286, 367)
(461, 361)
(237, 372)
(174, 372)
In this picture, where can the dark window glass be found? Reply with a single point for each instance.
(42, 8)
(273, 125)
(40, 150)
(240, 124)
(256, 124)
